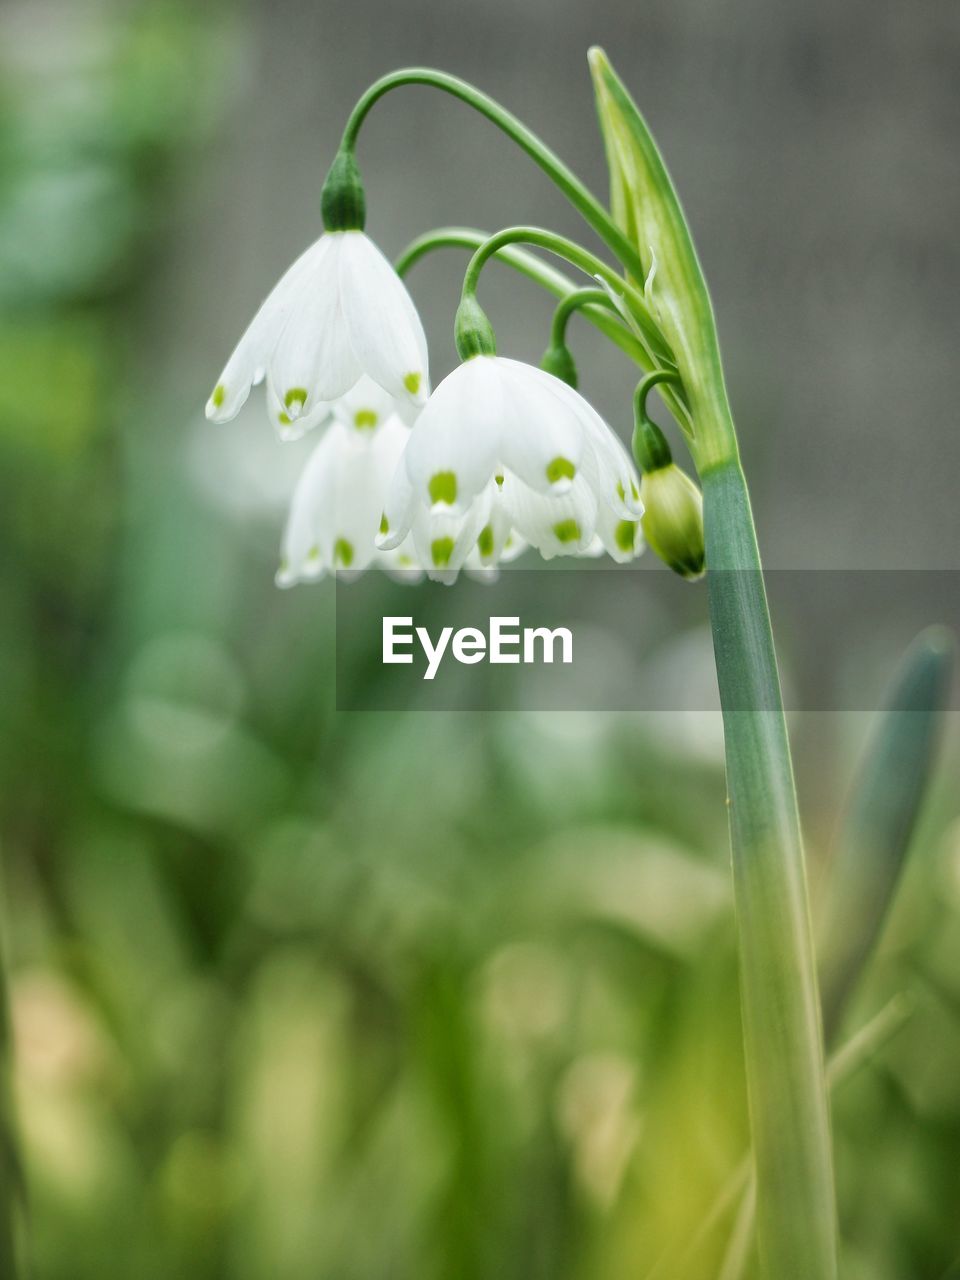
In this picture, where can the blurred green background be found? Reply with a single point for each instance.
(298, 994)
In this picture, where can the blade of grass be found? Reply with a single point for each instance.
(875, 836)
(11, 1179)
(741, 1237)
(844, 1063)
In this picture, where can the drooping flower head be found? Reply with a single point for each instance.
(337, 506)
(339, 312)
(502, 448)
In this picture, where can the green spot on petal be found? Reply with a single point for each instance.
(485, 541)
(443, 487)
(499, 480)
(284, 419)
(560, 469)
(441, 549)
(620, 491)
(296, 395)
(412, 382)
(343, 552)
(567, 531)
(364, 418)
(384, 524)
(219, 395)
(625, 534)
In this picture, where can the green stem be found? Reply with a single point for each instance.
(655, 350)
(796, 1205)
(560, 285)
(645, 386)
(576, 301)
(572, 187)
(527, 264)
(579, 257)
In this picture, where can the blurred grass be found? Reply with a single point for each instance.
(297, 994)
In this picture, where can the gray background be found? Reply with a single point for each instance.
(815, 151)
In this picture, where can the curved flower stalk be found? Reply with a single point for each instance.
(502, 447)
(341, 311)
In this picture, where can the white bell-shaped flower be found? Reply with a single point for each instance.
(339, 312)
(512, 452)
(337, 506)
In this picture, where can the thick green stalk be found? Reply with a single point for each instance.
(796, 1207)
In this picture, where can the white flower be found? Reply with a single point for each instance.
(504, 450)
(339, 312)
(337, 506)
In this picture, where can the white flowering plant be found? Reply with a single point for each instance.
(503, 458)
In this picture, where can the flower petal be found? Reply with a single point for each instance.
(621, 537)
(399, 509)
(313, 359)
(365, 406)
(383, 325)
(556, 525)
(358, 505)
(246, 365)
(294, 428)
(542, 437)
(455, 441)
(498, 542)
(308, 535)
(606, 462)
(444, 539)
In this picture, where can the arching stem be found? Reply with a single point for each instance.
(578, 300)
(564, 178)
(535, 269)
(656, 351)
(578, 257)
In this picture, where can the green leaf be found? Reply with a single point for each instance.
(881, 819)
(646, 208)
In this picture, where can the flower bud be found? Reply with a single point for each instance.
(342, 200)
(472, 330)
(672, 520)
(559, 361)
